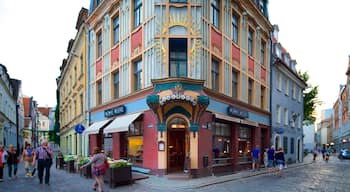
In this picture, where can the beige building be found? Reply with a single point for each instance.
(71, 85)
(43, 124)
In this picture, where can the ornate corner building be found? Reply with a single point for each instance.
(176, 85)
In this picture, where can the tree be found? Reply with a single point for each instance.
(54, 135)
(310, 99)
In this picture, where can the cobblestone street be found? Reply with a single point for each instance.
(319, 176)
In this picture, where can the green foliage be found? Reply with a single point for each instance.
(310, 99)
(119, 164)
(53, 135)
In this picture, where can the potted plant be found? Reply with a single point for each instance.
(118, 173)
(69, 160)
(59, 160)
(86, 171)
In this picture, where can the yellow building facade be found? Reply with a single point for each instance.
(72, 90)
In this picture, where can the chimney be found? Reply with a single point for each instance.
(275, 31)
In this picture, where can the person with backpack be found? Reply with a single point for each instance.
(12, 161)
(27, 155)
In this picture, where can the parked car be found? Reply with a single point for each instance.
(344, 154)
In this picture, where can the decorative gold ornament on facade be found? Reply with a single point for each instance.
(178, 20)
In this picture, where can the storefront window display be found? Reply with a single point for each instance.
(221, 140)
(244, 144)
(135, 143)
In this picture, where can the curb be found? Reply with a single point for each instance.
(224, 179)
(246, 176)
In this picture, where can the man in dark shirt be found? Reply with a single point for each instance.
(12, 161)
(256, 158)
(270, 158)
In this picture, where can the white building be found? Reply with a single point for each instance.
(309, 137)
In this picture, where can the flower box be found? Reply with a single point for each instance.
(118, 176)
(70, 166)
(59, 162)
(86, 172)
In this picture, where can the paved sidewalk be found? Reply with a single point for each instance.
(63, 181)
(156, 182)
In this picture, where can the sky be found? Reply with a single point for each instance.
(34, 37)
(316, 33)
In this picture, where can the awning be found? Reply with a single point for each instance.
(122, 123)
(227, 118)
(95, 127)
(235, 119)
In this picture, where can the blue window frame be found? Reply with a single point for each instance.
(235, 84)
(137, 75)
(99, 93)
(116, 85)
(178, 57)
(285, 145)
(262, 52)
(137, 13)
(250, 42)
(235, 28)
(116, 30)
(250, 91)
(215, 13)
(215, 75)
(99, 44)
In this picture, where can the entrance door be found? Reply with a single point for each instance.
(176, 150)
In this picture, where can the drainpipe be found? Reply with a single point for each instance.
(271, 69)
(86, 149)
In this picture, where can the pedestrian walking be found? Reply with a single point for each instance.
(3, 156)
(256, 158)
(12, 162)
(44, 156)
(315, 154)
(265, 157)
(279, 156)
(27, 155)
(99, 160)
(270, 159)
(323, 153)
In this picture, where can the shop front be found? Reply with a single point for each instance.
(234, 136)
(173, 129)
(178, 104)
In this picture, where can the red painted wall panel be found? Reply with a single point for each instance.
(250, 65)
(150, 148)
(263, 73)
(205, 140)
(116, 145)
(236, 54)
(99, 66)
(92, 143)
(115, 55)
(216, 40)
(136, 39)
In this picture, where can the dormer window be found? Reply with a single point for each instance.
(278, 50)
(286, 59)
(261, 6)
(98, 2)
